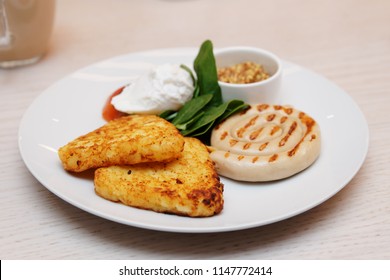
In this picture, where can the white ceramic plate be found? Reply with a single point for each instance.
(73, 107)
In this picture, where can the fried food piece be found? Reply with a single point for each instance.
(188, 186)
(127, 140)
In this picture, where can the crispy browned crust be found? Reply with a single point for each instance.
(188, 186)
(127, 140)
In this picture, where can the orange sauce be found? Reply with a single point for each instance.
(109, 111)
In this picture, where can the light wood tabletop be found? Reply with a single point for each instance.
(346, 41)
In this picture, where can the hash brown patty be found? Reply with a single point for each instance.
(126, 140)
(188, 186)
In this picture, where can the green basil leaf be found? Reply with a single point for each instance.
(184, 126)
(168, 115)
(233, 106)
(185, 67)
(191, 108)
(196, 91)
(206, 71)
(209, 116)
(214, 115)
(200, 131)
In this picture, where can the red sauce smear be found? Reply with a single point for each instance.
(109, 111)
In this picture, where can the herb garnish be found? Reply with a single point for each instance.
(206, 108)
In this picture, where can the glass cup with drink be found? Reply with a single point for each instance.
(25, 29)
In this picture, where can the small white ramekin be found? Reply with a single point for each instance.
(266, 91)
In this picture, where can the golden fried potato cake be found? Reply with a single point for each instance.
(188, 186)
(126, 140)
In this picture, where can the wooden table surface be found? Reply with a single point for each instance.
(347, 41)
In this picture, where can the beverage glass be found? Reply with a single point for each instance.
(25, 30)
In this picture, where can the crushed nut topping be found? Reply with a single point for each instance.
(243, 73)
